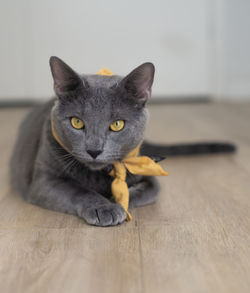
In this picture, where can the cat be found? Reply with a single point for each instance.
(98, 120)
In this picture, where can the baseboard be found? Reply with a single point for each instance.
(180, 100)
(16, 103)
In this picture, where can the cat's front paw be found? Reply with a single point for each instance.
(106, 215)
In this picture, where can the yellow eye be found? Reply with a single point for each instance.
(117, 125)
(77, 123)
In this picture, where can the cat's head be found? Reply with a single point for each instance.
(99, 118)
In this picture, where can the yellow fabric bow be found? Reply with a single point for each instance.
(141, 165)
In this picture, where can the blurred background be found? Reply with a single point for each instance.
(201, 48)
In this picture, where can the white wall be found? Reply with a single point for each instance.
(233, 49)
(199, 47)
(15, 49)
(89, 34)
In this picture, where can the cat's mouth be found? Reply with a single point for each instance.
(96, 165)
(93, 164)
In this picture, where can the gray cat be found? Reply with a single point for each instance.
(87, 115)
(98, 120)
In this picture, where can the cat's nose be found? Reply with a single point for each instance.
(94, 153)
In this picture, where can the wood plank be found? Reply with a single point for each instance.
(85, 259)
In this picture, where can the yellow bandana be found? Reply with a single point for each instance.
(137, 165)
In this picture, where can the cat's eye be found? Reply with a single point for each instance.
(117, 125)
(77, 123)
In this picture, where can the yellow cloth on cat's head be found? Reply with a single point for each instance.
(105, 71)
(137, 165)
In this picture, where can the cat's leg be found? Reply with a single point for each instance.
(67, 197)
(144, 192)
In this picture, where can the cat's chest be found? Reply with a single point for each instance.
(98, 181)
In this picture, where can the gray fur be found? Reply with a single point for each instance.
(47, 175)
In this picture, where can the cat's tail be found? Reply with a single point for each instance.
(185, 149)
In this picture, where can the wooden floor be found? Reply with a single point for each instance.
(195, 239)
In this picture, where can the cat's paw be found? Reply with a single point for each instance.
(110, 214)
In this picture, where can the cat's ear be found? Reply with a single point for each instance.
(66, 80)
(139, 82)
